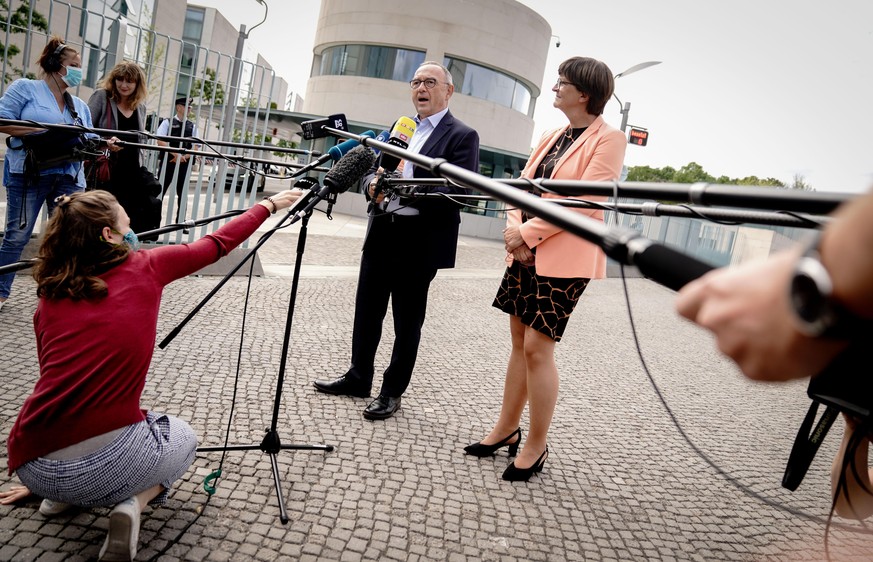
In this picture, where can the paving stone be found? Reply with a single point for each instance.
(621, 482)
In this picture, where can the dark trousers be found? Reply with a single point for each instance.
(180, 182)
(382, 279)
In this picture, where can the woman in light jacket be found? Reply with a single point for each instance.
(549, 268)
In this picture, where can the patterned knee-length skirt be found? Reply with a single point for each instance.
(543, 303)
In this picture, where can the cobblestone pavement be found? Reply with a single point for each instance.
(622, 482)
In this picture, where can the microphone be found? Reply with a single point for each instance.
(340, 150)
(349, 169)
(340, 178)
(381, 137)
(402, 132)
(335, 153)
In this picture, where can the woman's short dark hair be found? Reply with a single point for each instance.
(591, 77)
(73, 252)
(53, 55)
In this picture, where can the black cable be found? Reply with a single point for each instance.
(196, 140)
(216, 474)
(720, 471)
(700, 215)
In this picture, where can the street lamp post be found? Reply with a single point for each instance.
(625, 110)
(230, 102)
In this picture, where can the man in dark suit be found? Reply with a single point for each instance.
(406, 242)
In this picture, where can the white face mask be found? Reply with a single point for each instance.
(73, 77)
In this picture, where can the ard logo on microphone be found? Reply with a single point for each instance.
(638, 136)
(314, 129)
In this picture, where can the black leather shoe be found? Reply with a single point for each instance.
(383, 407)
(343, 386)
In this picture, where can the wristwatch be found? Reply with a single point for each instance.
(816, 312)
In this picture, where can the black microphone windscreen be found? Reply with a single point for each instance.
(349, 169)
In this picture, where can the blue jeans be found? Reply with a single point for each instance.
(23, 203)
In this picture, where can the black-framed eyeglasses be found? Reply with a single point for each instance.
(428, 83)
(560, 83)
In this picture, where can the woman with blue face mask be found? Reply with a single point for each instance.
(45, 101)
(82, 438)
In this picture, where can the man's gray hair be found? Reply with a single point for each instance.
(445, 70)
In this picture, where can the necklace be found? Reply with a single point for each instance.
(544, 170)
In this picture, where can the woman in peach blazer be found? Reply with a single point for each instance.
(548, 268)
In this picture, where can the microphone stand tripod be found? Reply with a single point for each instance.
(272, 444)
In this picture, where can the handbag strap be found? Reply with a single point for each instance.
(68, 101)
(108, 119)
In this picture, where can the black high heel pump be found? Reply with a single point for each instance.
(515, 474)
(480, 450)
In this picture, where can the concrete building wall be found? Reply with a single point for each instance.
(501, 34)
(219, 38)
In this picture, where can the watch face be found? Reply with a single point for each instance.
(811, 289)
(809, 303)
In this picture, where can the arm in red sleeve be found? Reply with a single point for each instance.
(174, 262)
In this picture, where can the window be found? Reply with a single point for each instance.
(373, 61)
(482, 82)
(192, 32)
(193, 27)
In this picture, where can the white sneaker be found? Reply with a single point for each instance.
(51, 508)
(123, 535)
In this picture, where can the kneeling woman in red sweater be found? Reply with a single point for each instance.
(81, 438)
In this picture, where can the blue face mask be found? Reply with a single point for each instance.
(73, 77)
(130, 239)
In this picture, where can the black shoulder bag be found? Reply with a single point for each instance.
(52, 147)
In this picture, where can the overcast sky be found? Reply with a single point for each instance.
(770, 88)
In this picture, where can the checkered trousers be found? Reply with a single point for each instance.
(156, 451)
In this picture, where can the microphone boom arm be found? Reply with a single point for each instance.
(301, 203)
(669, 267)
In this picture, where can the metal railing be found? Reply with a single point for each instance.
(174, 67)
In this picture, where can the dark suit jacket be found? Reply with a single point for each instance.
(429, 239)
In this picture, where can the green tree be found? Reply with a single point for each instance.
(258, 138)
(17, 23)
(800, 183)
(152, 62)
(755, 180)
(208, 90)
(694, 172)
(284, 143)
(649, 174)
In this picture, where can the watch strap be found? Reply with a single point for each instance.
(833, 320)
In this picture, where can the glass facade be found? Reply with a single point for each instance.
(391, 63)
(372, 61)
(192, 33)
(482, 82)
(96, 21)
